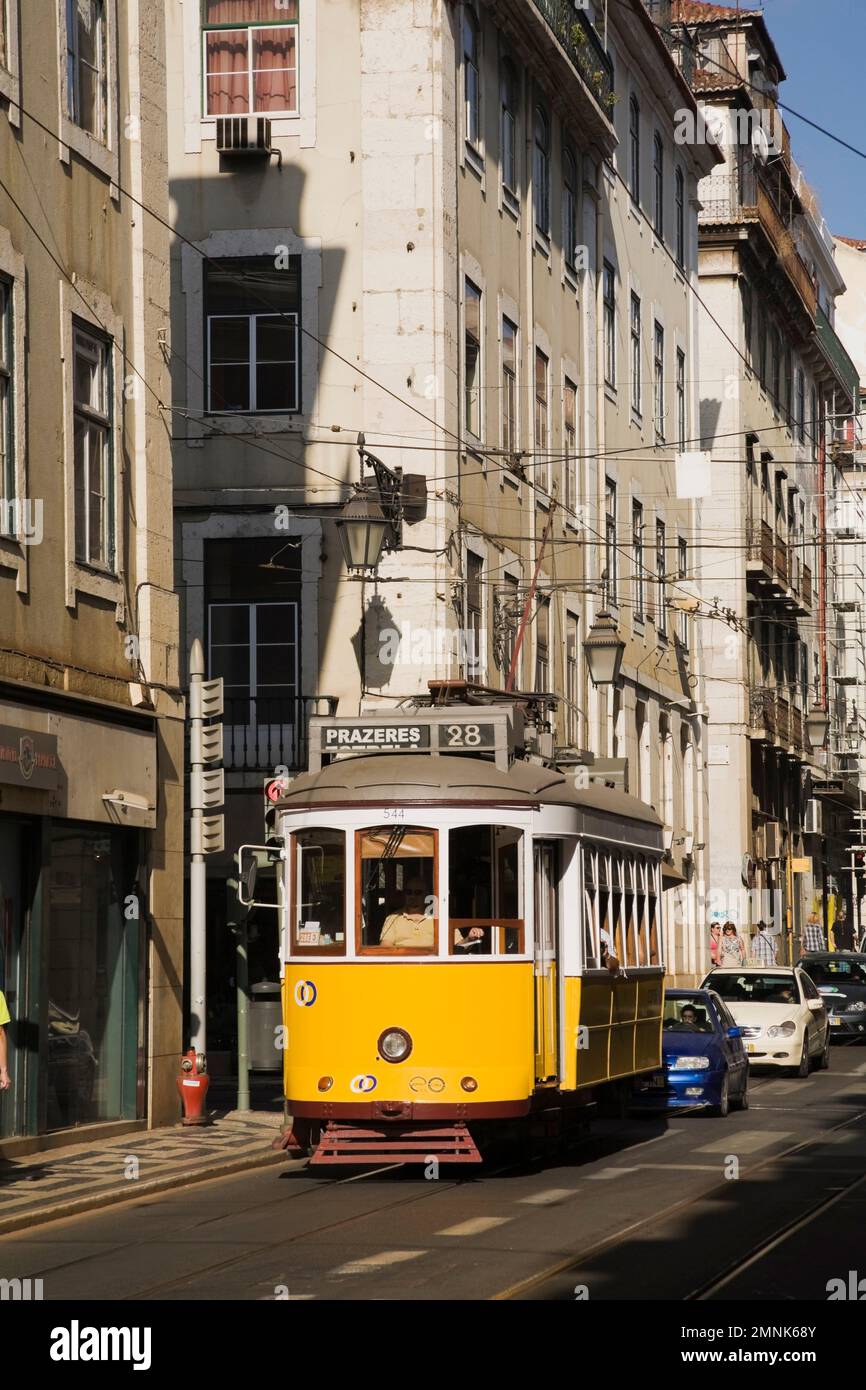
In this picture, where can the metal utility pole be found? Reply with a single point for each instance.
(206, 831)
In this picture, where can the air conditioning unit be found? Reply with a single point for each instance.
(243, 135)
(772, 840)
(812, 818)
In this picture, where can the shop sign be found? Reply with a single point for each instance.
(28, 758)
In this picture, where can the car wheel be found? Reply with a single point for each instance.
(824, 1062)
(743, 1097)
(805, 1063)
(724, 1104)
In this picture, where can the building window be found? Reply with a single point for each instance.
(787, 384)
(471, 80)
(816, 424)
(776, 361)
(509, 600)
(659, 380)
(637, 559)
(94, 455)
(508, 123)
(87, 66)
(4, 37)
(571, 711)
(472, 358)
(541, 173)
(801, 406)
(569, 210)
(474, 616)
(253, 317)
(682, 574)
(542, 415)
(658, 187)
(542, 645)
(569, 440)
(680, 201)
(509, 386)
(635, 355)
(661, 580)
(762, 346)
(253, 636)
(250, 56)
(682, 423)
(7, 413)
(609, 294)
(610, 583)
(634, 147)
(746, 297)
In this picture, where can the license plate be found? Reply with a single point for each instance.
(836, 1022)
(750, 1047)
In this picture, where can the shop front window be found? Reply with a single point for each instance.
(94, 953)
(397, 878)
(485, 891)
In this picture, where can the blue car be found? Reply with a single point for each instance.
(705, 1063)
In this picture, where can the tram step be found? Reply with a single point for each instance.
(395, 1144)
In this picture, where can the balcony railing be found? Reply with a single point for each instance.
(725, 198)
(261, 733)
(783, 726)
(781, 560)
(760, 541)
(583, 46)
(773, 711)
(837, 356)
(762, 710)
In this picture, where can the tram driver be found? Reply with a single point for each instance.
(413, 926)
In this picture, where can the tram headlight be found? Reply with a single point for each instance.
(394, 1045)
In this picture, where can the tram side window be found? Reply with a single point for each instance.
(485, 890)
(396, 909)
(319, 916)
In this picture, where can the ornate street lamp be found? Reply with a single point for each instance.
(362, 527)
(817, 726)
(603, 649)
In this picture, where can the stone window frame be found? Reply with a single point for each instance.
(103, 156)
(92, 307)
(13, 553)
(200, 129)
(10, 76)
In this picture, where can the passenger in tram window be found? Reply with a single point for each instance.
(609, 961)
(412, 926)
(474, 938)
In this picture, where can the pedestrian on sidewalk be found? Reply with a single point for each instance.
(813, 934)
(763, 950)
(5, 1083)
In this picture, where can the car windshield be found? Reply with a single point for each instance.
(686, 1016)
(756, 988)
(835, 972)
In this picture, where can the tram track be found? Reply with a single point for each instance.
(574, 1263)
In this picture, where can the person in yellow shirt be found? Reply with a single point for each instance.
(5, 1083)
(413, 926)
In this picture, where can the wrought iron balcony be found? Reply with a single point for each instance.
(837, 357)
(729, 199)
(775, 714)
(261, 733)
(583, 46)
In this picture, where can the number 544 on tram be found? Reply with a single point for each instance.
(470, 941)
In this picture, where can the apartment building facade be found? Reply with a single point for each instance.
(775, 378)
(431, 227)
(91, 718)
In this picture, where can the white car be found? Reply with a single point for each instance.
(780, 1011)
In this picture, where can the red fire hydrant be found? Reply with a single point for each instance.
(192, 1087)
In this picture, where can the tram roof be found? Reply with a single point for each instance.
(420, 779)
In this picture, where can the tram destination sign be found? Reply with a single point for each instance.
(444, 732)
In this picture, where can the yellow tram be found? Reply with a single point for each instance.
(447, 904)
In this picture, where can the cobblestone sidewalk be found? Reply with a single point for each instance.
(61, 1182)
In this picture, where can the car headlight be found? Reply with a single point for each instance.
(858, 1007)
(691, 1064)
(394, 1045)
(782, 1030)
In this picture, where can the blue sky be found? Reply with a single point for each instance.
(822, 44)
